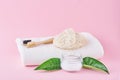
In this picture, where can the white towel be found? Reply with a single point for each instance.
(37, 55)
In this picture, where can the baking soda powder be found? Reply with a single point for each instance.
(71, 62)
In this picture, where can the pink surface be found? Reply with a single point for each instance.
(36, 18)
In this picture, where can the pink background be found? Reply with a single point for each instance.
(36, 18)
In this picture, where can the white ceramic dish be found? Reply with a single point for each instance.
(37, 55)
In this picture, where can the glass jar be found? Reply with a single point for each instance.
(71, 61)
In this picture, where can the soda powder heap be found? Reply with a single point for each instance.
(69, 40)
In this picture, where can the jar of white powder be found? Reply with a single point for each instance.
(71, 61)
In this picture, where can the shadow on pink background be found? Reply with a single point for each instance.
(37, 18)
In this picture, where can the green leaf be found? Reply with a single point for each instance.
(92, 63)
(51, 64)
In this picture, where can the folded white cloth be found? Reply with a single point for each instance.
(37, 55)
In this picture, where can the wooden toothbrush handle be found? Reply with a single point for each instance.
(48, 41)
(33, 44)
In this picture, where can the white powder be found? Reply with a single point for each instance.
(69, 40)
(71, 62)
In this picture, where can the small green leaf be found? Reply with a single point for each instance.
(51, 64)
(92, 63)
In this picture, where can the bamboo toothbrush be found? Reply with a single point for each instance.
(34, 44)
